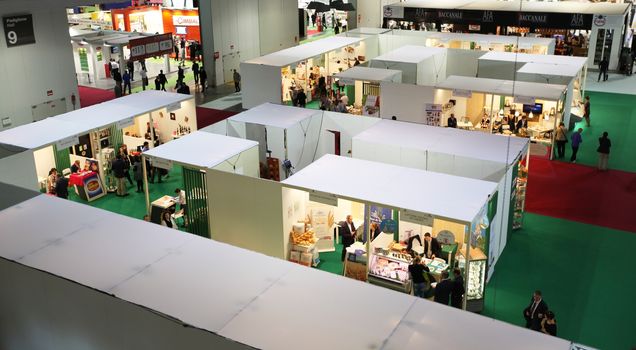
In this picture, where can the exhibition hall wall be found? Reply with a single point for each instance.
(34, 74)
(245, 29)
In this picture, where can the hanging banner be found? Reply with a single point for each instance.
(524, 100)
(67, 142)
(324, 198)
(416, 217)
(150, 46)
(433, 114)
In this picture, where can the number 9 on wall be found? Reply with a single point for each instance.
(18, 30)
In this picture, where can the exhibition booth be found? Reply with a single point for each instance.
(549, 69)
(195, 154)
(287, 136)
(371, 38)
(456, 210)
(419, 65)
(502, 160)
(466, 41)
(79, 255)
(362, 85)
(274, 77)
(93, 136)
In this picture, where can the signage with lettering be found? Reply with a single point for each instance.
(150, 46)
(173, 107)
(524, 100)
(185, 20)
(416, 217)
(67, 142)
(125, 123)
(161, 163)
(533, 18)
(324, 198)
(18, 30)
(433, 114)
(462, 93)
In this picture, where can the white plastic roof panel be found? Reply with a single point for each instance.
(270, 114)
(410, 54)
(100, 115)
(560, 70)
(369, 74)
(201, 149)
(550, 92)
(474, 145)
(151, 100)
(294, 314)
(577, 62)
(442, 195)
(423, 327)
(516, 5)
(40, 134)
(302, 52)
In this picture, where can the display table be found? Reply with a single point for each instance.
(159, 205)
(355, 264)
(88, 185)
(464, 125)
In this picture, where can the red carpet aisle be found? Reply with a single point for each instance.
(209, 116)
(583, 194)
(91, 96)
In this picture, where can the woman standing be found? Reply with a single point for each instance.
(604, 145)
(51, 180)
(417, 270)
(561, 139)
(548, 324)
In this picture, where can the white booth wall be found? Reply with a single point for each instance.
(404, 101)
(19, 170)
(430, 70)
(347, 125)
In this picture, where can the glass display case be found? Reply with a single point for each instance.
(390, 270)
(475, 285)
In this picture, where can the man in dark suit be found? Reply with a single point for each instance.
(348, 234)
(457, 292)
(535, 312)
(443, 289)
(432, 248)
(61, 187)
(452, 121)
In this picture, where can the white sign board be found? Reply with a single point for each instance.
(416, 217)
(462, 93)
(161, 163)
(125, 123)
(173, 107)
(324, 198)
(185, 20)
(524, 100)
(433, 114)
(67, 142)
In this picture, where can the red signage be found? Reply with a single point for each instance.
(150, 46)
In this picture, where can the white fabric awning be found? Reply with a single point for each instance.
(302, 52)
(550, 92)
(441, 195)
(201, 149)
(270, 114)
(474, 145)
(369, 74)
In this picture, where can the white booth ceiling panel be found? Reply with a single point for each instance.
(399, 187)
(41, 133)
(39, 222)
(411, 54)
(551, 92)
(368, 30)
(299, 311)
(573, 61)
(524, 42)
(369, 74)
(151, 100)
(302, 52)
(100, 115)
(450, 141)
(227, 280)
(425, 326)
(201, 149)
(270, 114)
(561, 70)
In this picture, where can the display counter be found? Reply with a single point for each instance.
(160, 205)
(89, 185)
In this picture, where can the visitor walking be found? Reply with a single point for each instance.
(237, 81)
(586, 111)
(458, 290)
(195, 71)
(577, 139)
(203, 77)
(130, 64)
(139, 174)
(144, 78)
(162, 80)
(157, 83)
(603, 66)
(604, 145)
(561, 139)
(417, 270)
(535, 312)
(301, 98)
(117, 168)
(126, 79)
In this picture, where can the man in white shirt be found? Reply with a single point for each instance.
(181, 199)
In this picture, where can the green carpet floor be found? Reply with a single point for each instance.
(134, 205)
(616, 114)
(330, 261)
(584, 272)
(172, 79)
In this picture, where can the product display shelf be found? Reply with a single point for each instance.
(519, 198)
(475, 279)
(390, 271)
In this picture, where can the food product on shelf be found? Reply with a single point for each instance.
(307, 238)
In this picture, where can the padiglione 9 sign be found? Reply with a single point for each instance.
(18, 30)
